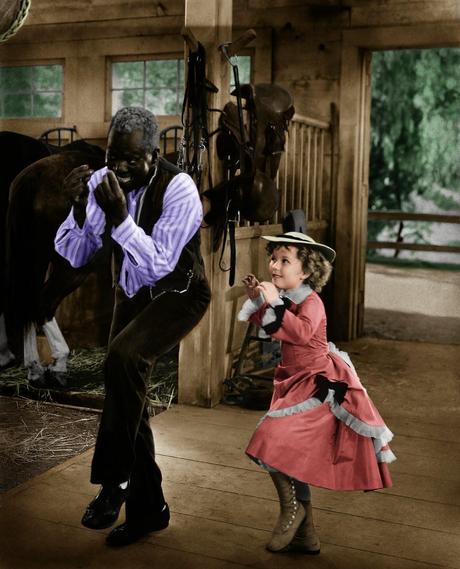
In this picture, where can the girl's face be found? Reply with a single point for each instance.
(286, 268)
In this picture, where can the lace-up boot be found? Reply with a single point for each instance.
(306, 539)
(292, 514)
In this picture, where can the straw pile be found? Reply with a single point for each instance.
(33, 431)
(85, 375)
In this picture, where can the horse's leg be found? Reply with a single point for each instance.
(62, 280)
(35, 370)
(6, 357)
(59, 350)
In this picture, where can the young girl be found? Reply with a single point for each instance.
(321, 428)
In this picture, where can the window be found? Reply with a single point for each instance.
(155, 84)
(244, 70)
(31, 91)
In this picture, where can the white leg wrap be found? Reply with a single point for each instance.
(59, 348)
(5, 355)
(31, 357)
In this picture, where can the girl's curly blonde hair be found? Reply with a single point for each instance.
(313, 263)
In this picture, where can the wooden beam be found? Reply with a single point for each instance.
(346, 212)
(397, 12)
(265, 5)
(240, 43)
(189, 38)
(52, 12)
(202, 356)
(421, 35)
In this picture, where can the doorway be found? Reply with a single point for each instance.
(353, 141)
(412, 274)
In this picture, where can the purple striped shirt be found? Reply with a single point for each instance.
(146, 258)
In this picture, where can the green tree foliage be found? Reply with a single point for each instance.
(31, 91)
(415, 125)
(157, 85)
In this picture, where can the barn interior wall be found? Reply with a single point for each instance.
(301, 46)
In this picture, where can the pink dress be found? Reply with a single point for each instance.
(322, 428)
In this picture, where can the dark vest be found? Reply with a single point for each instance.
(152, 207)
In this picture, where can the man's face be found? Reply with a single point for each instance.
(130, 162)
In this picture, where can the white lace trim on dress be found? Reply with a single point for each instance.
(249, 307)
(294, 409)
(381, 435)
(333, 349)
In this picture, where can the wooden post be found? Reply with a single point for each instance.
(352, 190)
(202, 353)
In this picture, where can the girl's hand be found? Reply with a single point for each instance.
(252, 286)
(270, 292)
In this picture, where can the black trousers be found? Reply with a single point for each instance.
(142, 330)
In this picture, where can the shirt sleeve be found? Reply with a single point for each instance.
(79, 244)
(299, 328)
(148, 258)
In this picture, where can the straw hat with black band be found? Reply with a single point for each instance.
(297, 238)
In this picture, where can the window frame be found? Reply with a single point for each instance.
(41, 63)
(248, 52)
(134, 58)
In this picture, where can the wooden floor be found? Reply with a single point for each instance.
(223, 507)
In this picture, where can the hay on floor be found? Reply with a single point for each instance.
(85, 375)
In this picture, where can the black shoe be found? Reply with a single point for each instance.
(130, 532)
(103, 511)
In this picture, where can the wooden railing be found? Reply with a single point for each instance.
(304, 174)
(402, 216)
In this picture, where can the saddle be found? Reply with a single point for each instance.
(255, 151)
(251, 153)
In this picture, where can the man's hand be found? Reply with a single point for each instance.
(269, 291)
(76, 189)
(75, 184)
(252, 286)
(111, 199)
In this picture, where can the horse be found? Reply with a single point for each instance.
(17, 151)
(36, 277)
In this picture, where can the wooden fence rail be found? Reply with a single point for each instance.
(393, 215)
(405, 216)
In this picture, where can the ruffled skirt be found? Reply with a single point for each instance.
(324, 439)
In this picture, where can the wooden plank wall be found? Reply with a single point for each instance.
(300, 46)
(84, 36)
